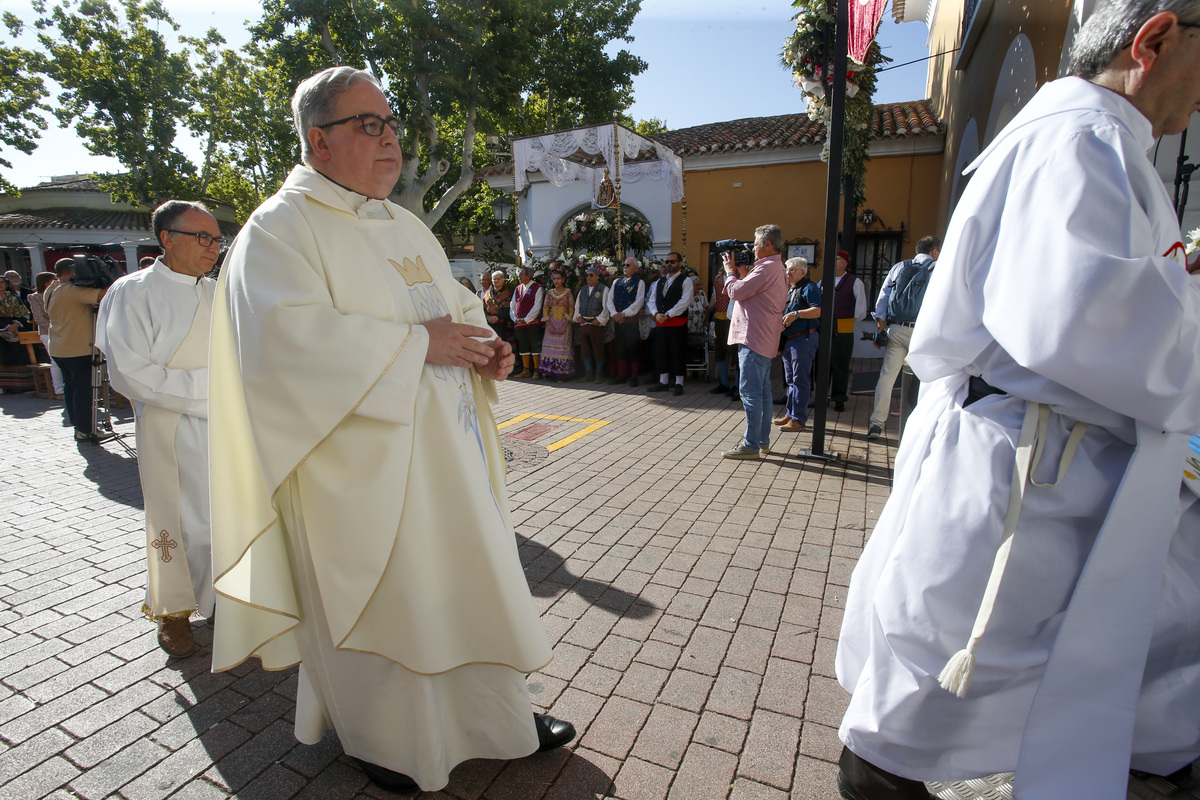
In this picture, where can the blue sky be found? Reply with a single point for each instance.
(709, 61)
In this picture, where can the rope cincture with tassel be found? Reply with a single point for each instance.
(955, 677)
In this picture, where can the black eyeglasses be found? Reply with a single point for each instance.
(203, 239)
(671, 261)
(372, 124)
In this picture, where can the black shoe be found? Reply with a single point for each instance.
(859, 779)
(658, 387)
(552, 732)
(1178, 777)
(633, 382)
(677, 390)
(615, 381)
(839, 407)
(384, 778)
(720, 388)
(735, 397)
(780, 400)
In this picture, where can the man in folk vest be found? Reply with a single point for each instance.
(625, 303)
(668, 303)
(592, 316)
(526, 310)
(849, 306)
(153, 327)
(899, 329)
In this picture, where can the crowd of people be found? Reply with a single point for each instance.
(301, 518)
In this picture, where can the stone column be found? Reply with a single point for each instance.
(37, 260)
(131, 256)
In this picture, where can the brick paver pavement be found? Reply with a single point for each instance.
(693, 602)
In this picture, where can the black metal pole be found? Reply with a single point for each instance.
(1183, 177)
(836, 92)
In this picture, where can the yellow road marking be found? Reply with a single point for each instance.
(596, 424)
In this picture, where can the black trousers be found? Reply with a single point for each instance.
(839, 367)
(627, 343)
(670, 351)
(77, 390)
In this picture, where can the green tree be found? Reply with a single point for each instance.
(124, 89)
(454, 68)
(21, 93)
(242, 118)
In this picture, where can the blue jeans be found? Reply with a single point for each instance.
(755, 388)
(77, 390)
(798, 354)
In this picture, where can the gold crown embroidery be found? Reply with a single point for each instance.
(413, 272)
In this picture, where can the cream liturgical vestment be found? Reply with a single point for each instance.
(1062, 283)
(361, 523)
(153, 328)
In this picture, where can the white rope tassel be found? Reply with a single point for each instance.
(955, 677)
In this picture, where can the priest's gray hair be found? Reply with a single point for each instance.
(1112, 26)
(316, 98)
(769, 233)
(166, 216)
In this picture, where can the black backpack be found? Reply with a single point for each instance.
(909, 291)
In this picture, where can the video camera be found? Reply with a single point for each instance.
(880, 338)
(94, 271)
(743, 252)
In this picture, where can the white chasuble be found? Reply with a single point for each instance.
(359, 506)
(1059, 285)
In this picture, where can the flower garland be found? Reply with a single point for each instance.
(804, 52)
(596, 231)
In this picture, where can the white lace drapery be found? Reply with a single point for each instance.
(548, 154)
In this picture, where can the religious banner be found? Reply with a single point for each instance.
(864, 22)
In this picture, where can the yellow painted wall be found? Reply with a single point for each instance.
(958, 95)
(792, 196)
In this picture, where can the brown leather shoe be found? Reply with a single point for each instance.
(781, 420)
(792, 426)
(175, 637)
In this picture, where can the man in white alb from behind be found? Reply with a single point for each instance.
(1028, 600)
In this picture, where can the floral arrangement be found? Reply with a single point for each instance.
(1193, 242)
(596, 232)
(804, 53)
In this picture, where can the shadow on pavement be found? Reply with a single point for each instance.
(23, 405)
(842, 470)
(114, 470)
(547, 574)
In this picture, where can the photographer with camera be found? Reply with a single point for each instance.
(759, 293)
(71, 310)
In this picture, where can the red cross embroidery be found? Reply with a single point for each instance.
(164, 543)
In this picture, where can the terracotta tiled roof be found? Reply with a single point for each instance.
(891, 121)
(95, 219)
(83, 183)
(757, 134)
(77, 218)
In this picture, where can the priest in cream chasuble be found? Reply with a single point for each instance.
(350, 391)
